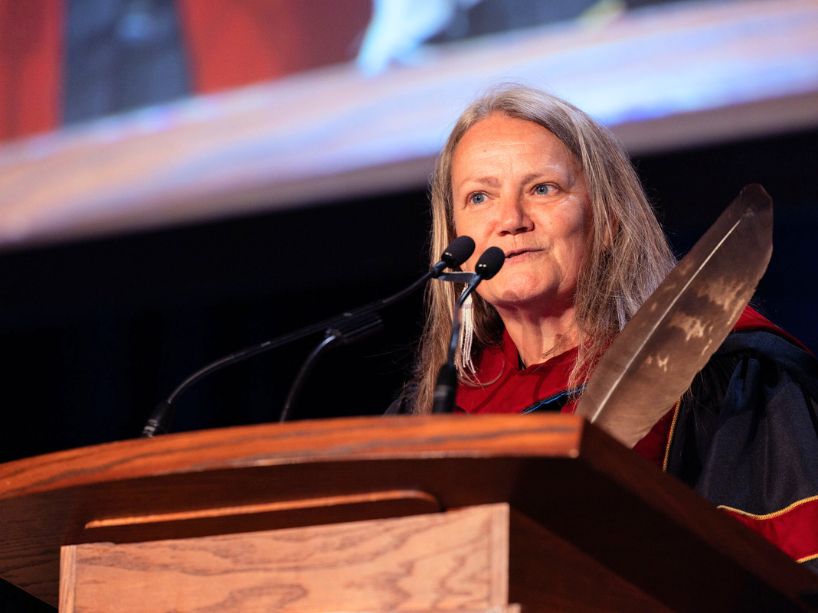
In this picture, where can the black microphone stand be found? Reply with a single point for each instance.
(162, 416)
(158, 423)
(487, 266)
(344, 333)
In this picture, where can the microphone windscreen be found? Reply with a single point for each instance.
(458, 251)
(490, 262)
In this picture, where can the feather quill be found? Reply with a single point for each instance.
(653, 361)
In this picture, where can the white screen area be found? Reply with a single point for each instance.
(662, 77)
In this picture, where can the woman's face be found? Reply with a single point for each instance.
(516, 186)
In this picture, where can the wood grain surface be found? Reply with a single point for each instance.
(445, 561)
(570, 478)
(84, 495)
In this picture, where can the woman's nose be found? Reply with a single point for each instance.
(514, 217)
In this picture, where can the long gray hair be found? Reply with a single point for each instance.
(626, 258)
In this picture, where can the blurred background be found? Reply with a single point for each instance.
(181, 178)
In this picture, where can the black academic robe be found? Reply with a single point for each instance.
(746, 438)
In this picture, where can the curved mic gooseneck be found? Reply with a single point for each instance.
(343, 333)
(487, 266)
(455, 254)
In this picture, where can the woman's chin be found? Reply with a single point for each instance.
(520, 299)
(518, 289)
(536, 298)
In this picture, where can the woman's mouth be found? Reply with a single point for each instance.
(518, 255)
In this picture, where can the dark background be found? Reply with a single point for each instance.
(95, 334)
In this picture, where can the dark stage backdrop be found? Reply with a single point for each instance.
(94, 334)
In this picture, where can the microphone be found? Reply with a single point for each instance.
(489, 263)
(356, 328)
(458, 251)
(487, 266)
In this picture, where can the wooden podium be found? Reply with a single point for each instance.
(447, 513)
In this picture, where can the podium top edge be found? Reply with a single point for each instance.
(308, 441)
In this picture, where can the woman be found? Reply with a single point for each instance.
(535, 176)
(598, 238)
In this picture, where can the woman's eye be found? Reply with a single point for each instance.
(542, 189)
(477, 198)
